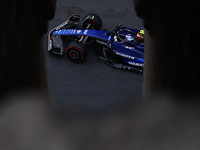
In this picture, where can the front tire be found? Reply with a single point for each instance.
(76, 52)
(94, 20)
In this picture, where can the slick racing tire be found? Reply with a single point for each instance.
(76, 52)
(94, 20)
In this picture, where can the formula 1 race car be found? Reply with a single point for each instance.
(121, 48)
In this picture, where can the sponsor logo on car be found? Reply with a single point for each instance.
(69, 31)
(128, 47)
(85, 32)
(101, 42)
(126, 56)
(57, 32)
(135, 64)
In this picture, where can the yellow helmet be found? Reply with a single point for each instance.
(141, 32)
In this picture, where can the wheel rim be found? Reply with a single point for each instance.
(74, 54)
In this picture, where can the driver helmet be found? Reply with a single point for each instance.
(141, 32)
(129, 37)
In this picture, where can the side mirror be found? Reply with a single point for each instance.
(110, 41)
(109, 44)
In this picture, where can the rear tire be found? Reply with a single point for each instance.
(92, 19)
(76, 52)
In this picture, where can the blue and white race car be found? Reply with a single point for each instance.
(121, 48)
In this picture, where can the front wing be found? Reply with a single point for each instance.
(55, 43)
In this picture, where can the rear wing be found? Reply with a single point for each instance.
(55, 43)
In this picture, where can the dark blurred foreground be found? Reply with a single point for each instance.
(159, 123)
